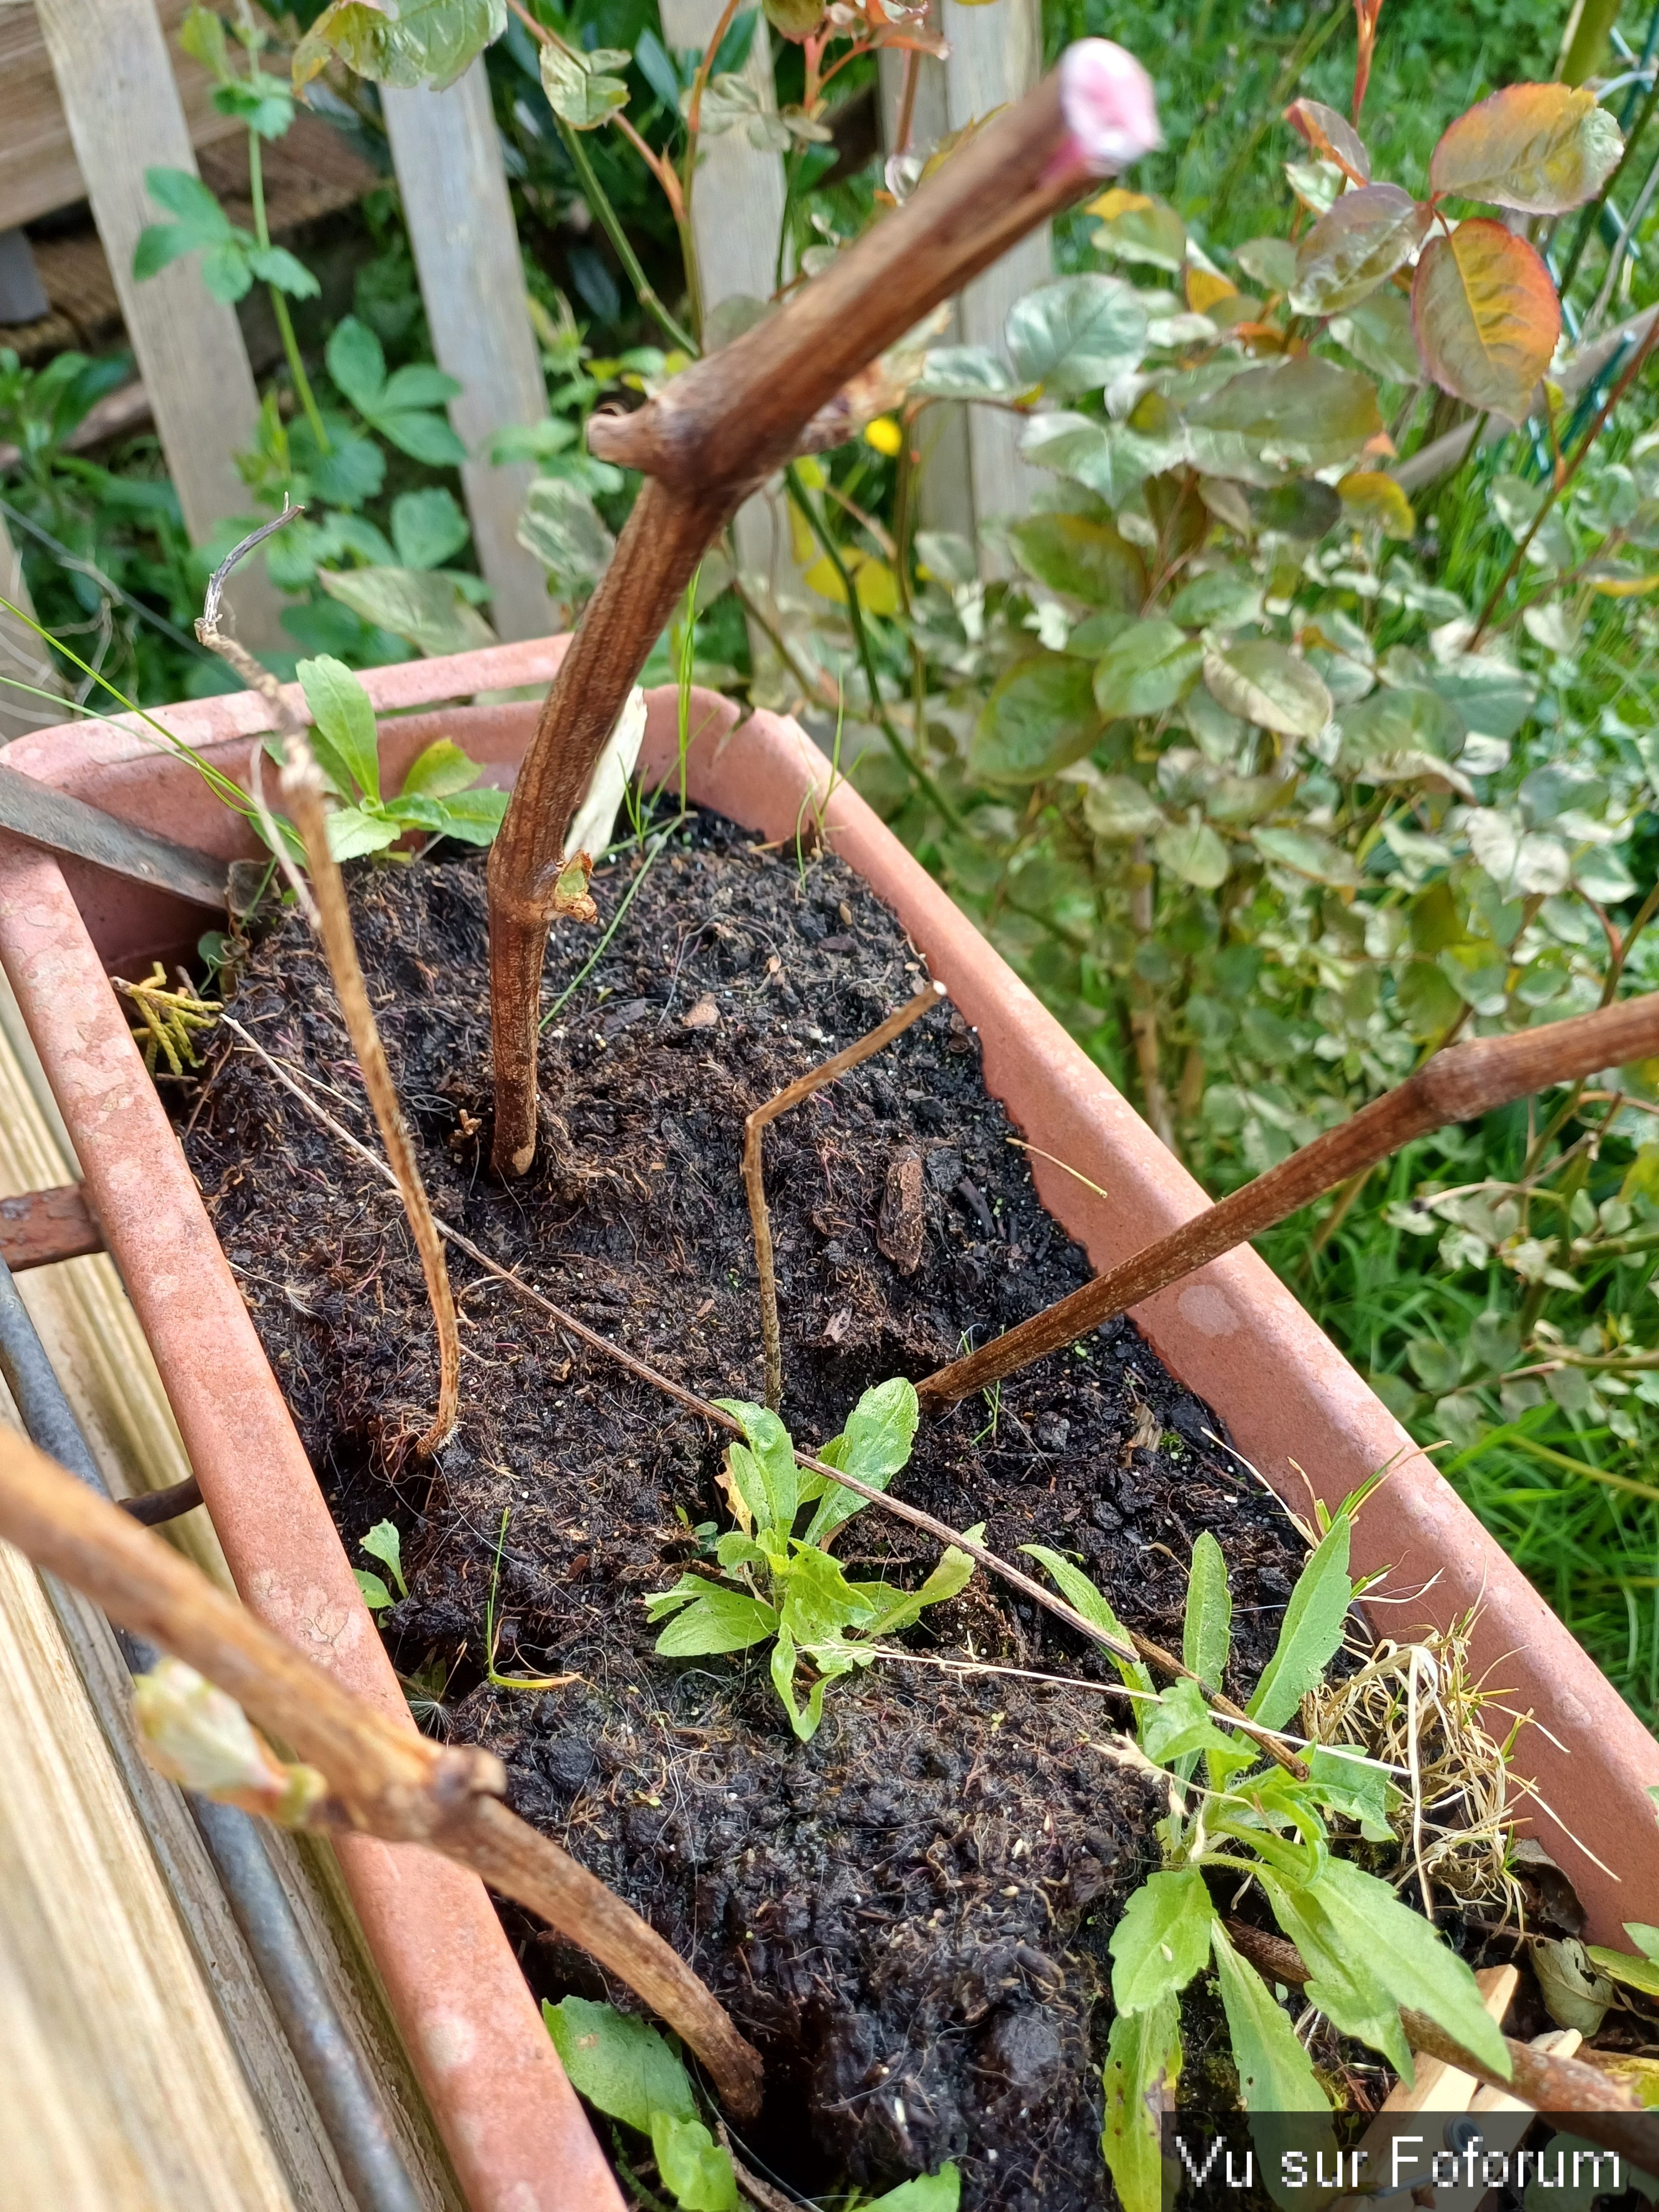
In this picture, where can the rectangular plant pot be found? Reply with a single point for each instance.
(1232, 1333)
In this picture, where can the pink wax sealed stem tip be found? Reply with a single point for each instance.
(1109, 106)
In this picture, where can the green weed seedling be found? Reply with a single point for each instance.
(382, 1543)
(437, 795)
(786, 1589)
(1369, 1954)
(627, 2070)
(492, 1631)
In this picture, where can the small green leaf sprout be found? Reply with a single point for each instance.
(437, 795)
(382, 1543)
(1368, 1954)
(492, 1631)
(631, 2072)
(786, 1589)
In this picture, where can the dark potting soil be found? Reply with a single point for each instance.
(910, 1914)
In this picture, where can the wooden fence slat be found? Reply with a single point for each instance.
(37, 168)
(21, 654)
(448, 160)
(736, 211)
(973, 473)
(115, 78)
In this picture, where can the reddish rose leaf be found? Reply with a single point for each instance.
(1486, 316)
(1541, 148)
(1366, 236)
(1331, 137)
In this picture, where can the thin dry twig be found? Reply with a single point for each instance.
(1456, 1085)
(1540, 2078)
(330, 915)
(754, 1165)
(381, 1778)
(1133, 1646)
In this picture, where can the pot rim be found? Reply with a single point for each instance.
(1235, 1335)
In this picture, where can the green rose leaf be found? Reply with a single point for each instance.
(1041, 717)
(1427, 1001)
(1302, 413)
(1309, 854)
(1225, 599)
(1138, 229)
(1076, 334)
(1082, 558)
(1263, 682)
(963, 372)
(1119, 809)
(1270, 261)
(1541, 148)
(1192, 851)
(582, 89)
(1146, 669)
(1378, 334)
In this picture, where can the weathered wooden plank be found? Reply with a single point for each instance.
(21, 654)
(448, 160)
(973, 473)
(168, 1903)
(41, 1226)
(737, 212)
(38, 170)
(66, 824)
(115, 79)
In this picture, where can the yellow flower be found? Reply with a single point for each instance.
(885, 435)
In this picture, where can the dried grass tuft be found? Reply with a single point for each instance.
(1418, 1709)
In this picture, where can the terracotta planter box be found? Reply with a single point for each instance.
(1232, 1333)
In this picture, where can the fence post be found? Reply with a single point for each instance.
(125, 115)
(21, 654)
(448, 159)
(737, 212)
(973, 472)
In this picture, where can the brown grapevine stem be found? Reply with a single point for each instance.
(723, 426)
(383, 1779)
(1456, 1085)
